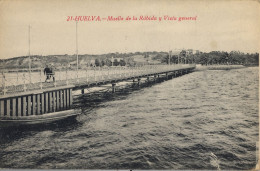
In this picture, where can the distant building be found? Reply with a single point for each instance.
(183, 53)
(92, 62)
(118, 59)
(189, 51)
(176, 52)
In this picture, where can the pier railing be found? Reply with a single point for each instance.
(14, 81)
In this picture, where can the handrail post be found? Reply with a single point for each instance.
(41, 78)
(30, 74)
(113, 72)
(108, 74)
(59, 74)
(24, 85)
(3, 79)
(67, 82)
(3, 82)
(102, 74)
(95, 74)
(87, 73)
(54, 79)
(77, 75)
(17, 77)
(120, 71)
(125, 69)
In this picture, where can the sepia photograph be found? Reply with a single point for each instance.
(129, 84)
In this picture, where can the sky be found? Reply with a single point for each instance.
(219, 25)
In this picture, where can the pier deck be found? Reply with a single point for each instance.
(19, 82)
(18, 102)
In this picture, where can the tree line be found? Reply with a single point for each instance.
(108, 62)
(214, 58)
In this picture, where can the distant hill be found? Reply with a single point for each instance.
(132, 59)
(62, 61)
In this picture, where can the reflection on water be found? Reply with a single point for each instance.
(203, 120)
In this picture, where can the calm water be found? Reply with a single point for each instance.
(203, 120)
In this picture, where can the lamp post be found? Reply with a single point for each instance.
(29, 34)
(77, 50)
(170, 54)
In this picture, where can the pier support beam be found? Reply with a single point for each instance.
(113, 87)
(14, 107)
(2, 110)
(139, 81)
(154, 78)
(170, 75)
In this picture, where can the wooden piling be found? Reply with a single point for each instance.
(19, 106)
(139, 81)
(24, 106)
(113, 87)
(33, 104)
(58, 100)
(50, 102)
(54, 100)
(65, 98)
(42, 103)
(46, 102)
(71, 98)
(14, 107)
(148, 79)
(155, 78)
(61, 99)
(38, 99)
(8, 107)
(68, 98)
(2, 110)
(29, 105)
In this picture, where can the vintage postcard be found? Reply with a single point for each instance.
(129, 84)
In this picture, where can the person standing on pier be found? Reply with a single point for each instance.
(48, 71)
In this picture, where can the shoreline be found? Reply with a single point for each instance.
(218, 67)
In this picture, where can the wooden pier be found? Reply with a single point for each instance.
(40, 101)
(36, 106)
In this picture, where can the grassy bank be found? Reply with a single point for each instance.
(218, 67)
